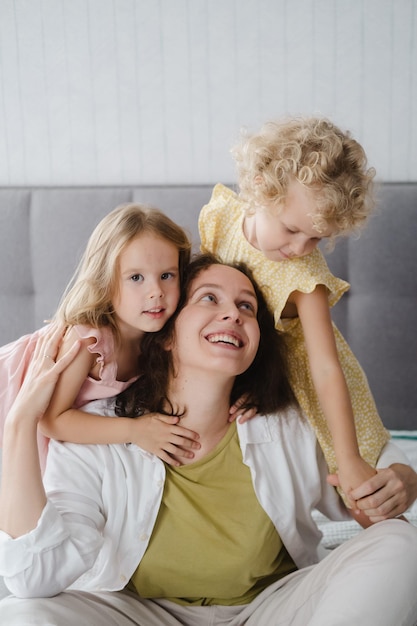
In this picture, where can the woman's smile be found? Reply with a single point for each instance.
(226, 338)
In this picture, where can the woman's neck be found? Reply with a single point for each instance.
(206, 405)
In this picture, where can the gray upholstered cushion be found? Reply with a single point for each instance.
(44, 231)
(377, 316)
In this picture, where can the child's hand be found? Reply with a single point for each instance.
(161, 435)
(352, 475)
(237, 412)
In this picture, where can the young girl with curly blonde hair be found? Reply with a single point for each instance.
(302, 180)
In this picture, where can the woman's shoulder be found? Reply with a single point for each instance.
(287, 426)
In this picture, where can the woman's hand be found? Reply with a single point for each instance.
(387, 494)
(352, 475)
(42, 375)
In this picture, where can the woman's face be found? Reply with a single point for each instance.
(217, 329)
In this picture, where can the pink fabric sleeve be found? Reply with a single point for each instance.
(107, 385)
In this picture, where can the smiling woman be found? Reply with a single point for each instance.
(228, 538)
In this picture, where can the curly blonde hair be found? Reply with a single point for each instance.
(321, 157)
(88, 297)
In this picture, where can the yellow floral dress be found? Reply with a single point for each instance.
(221, 232)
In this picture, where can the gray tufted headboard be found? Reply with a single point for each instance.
(43, 232)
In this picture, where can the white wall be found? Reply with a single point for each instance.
(155, 91)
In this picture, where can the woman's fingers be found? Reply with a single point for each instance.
(44, 371)
(49, 342)
(66, 359)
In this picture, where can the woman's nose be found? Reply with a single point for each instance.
(232, 313)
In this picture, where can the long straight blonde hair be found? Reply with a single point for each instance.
(88, 296)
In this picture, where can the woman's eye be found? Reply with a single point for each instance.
(209, 297)
(136, 278)
(247, 306)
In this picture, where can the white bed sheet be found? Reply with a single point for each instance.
(334, 533)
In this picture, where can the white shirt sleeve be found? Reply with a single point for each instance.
(390, 454)
(67, 538)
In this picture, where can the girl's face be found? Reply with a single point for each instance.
(217, 329)
(291, 232)
(148, 285)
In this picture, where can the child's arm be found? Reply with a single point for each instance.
(158, 434)
(155, 433)
(330, 384)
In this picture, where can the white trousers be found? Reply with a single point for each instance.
(370, 580)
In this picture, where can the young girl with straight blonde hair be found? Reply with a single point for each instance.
(126, 285)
